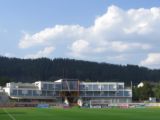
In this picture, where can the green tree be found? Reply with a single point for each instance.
(136, 93)
(4, 80)
(146, 91)
(156, 91)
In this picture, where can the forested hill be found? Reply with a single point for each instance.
(28, 70)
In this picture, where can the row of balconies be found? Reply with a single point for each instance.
(106, 94)
(34, 93)
(81, 93)
(58, 87)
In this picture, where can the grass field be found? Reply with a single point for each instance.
(79, 114)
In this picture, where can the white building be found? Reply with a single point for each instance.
(37, 90)
(113, 92)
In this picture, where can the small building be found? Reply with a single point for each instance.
(141, 84)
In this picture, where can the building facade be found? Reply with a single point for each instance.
(72, 90)
(3, 96)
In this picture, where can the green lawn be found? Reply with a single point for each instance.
(79, 114)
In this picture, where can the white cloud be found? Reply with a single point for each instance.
(115, 32)
(55, 33)
(79, 47)
(152, 60)
(42, 53)
(120, 46)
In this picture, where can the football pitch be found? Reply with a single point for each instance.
(79, 114)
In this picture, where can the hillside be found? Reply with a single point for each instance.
(30, 70)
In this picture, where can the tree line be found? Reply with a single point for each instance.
(44, 69)
(149, 89)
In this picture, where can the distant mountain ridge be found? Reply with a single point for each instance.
(30, 70)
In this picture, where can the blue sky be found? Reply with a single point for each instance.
(79, 29)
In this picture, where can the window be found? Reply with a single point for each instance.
(112, 94)
(56, 93)
(29, 93)
(120, 86)
(57, 87)
(49, 93)
(14, 92)
(82, 87)
(97, 93)
(112, 87)
(82, 93)
(24, 92)
(20, 92)
(89, 93)
(127, 93)
(70, 85)
(104, 87)
(119, 93)
(50, 87)
(104, 93)
(96, 87)
(45, 86)
(88, 87)
(35, 93)
(43, 93)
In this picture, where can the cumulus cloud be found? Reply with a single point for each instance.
(79, 47)
(152, 60)
(42, 53)
(116, 32)
(50, 34)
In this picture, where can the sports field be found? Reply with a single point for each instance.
(79, 114)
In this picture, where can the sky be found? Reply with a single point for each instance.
(111, 31)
